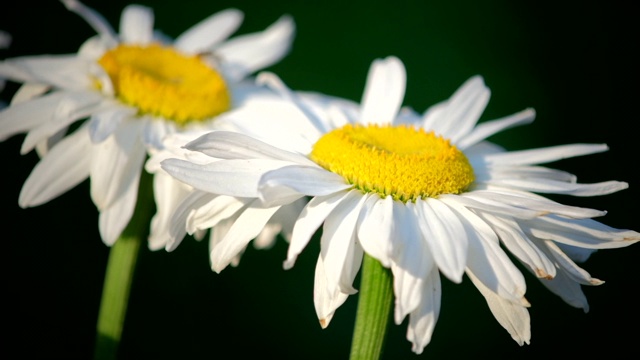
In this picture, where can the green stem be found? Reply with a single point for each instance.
(374, 307)
(121, 265)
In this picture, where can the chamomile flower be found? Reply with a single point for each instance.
(424, 194)
(97, 114)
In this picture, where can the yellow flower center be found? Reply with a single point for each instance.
(162, 82)
(400, 161)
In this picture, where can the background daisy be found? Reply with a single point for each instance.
(571, 64)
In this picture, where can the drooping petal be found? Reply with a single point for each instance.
(209, 32)
(489, 262)
(411, 260)
(136, 25)
(326, 298)
(116, 165)
(116, 216)
(519, 244)
(513, 317)
(95, 19)
(422, 320)
(336, 241)
(246, 227)
(574, 272)
(291, 182)
(375, 228)
(445, 235)
(584, 233)
(64, 167)
(310, 219)
(251, 52)
(383, 92)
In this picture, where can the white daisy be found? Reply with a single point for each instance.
(423, 194)
(132, 88)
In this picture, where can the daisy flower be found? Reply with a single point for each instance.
(424, 194)
(97, 114)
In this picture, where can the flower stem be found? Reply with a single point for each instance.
(374, 307)
(121, 265)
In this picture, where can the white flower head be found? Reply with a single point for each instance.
(424, 194)
(97, 114)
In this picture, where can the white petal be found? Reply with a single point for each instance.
(73, 106)
(244, 229)
(544, 155)
(245, 54)
(113, 220)
(585, 233)
(483, 173)
(493, 205)
(423, 319)
(411, 260)
(67, 72)
(488, 128)
(209, 31)
(232, 145)
(65, 166)
(384, 91)
(337, 242)
(326, 299)
(567, 289)
(287, 217)
(104, 123)
(560, 187)
(228, 177)
(517, 242)
(487, 260)
(116, 165)
(455, 117)
(575, 272)
(29, 91)
(445, 235)
(375, 226)
(513, 317)
(291, 182)
(218, 208)
(136, 25)
(168, 193)
(310, 219)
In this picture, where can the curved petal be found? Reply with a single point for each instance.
(245, 54)
(310, 219)
(384, 91)
(244, 229)
(326, 299)
(423, 319)
(513, 317)
(104, 123)
(233, 145)
(560, 187)
(68, 72)
(227, 177)
(97, 21)
(375, 228)
(66, 165)
(116, 165)
(444, 233)
(209, 32)
(168, 193)
(136, 25)
(336, 241)
(117, 215)
(291, 182)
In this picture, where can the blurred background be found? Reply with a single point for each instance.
(574, 62)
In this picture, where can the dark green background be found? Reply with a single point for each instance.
(574, 62)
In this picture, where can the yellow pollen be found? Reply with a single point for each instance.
(400, 161)
(159, 81)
